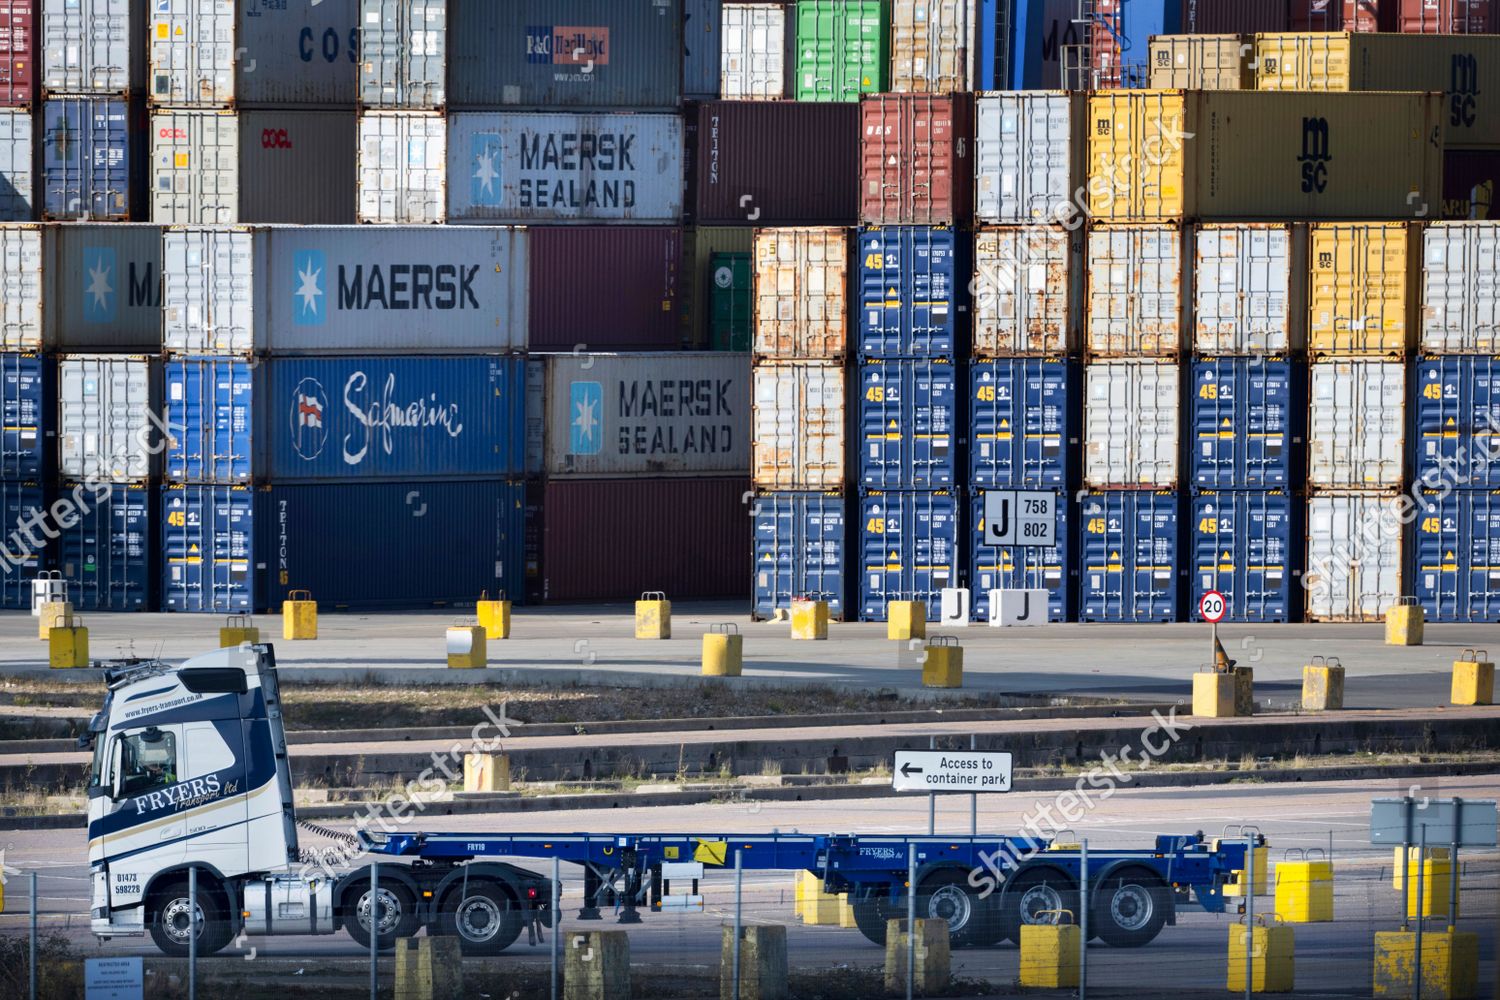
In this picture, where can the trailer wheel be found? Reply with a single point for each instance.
(870, 915)
(396, 915)
(946, 895)
(171, 921)
(1129, 908)
(486, 920)
(1035, 897)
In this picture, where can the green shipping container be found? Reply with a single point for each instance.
(700, 246)
(729, 297)
(843, 49)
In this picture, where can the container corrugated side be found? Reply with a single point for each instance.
(1354, 556)
(1249, 294)
(1456, 555)
(1028, 156)
(701, 44)
(108, 554)
(86, 159)
(843, 49)
(403, 53)
(1443, 17)
(215, 409)
(679, 414)
(17, 159)
(1456, 421)
(1131, 420)
(799, 426)
(1202, 62)
(192, 50)
(1213, 17)
(635, 269)
(195, 167)
(18, 34)
(298, 54)
(1022, 422)
(801, 552)
(1245, 546)
(909, 550)
(909, 426)
(208, 290)
(702, 245)
(910, 292)
(1363, 293)
(403, 167)
(1137, 305)
(1246, 423)
(915, 162)
(20, 501)
(931, 46)
(298, 167)
(102, 287)
(89, 47)
(105, 406)
(1028, 291)
(1012, 567)
(776, 163)
(753, 57)
(1460, 293)
(1130, 557)
(20, 288)
(26, 435)
(801, 301)
(1355, 424)
(208, 550)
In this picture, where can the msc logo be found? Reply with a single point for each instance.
(310, 303)
(309, 418)
(1315, 155)
(1463, 91)
(274, 138)
(586, 406)
(560, 45)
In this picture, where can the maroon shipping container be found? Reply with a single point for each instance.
(609, 288)
(1341, 15)
(916, 164)
(774, 163)
(1234, 17)
(1469, 181)
(612, 539)
(17, 53)
(1442, 17)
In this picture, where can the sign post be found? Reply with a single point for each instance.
(1211, 607)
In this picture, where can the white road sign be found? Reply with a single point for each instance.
(1211, 607)
(1027, 518)
(951, 771)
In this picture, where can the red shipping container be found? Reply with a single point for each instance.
(1443, 17)
(1342, 15)
(1233, 17)
(916, 167)
(17, 53)
(607, 288)
(1469, 181)
(613, 539)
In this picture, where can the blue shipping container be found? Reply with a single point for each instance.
(108, 556)
(394, 417)
(85, 158)
(800, 541)
(209, 407)
(1038, 31)
(208, 549)
(1022, 422)
(909, 550)
(1130, 555)
(994, 44)
(1010, 567)
(1244, 546)
(1247, 423)
(21, 558)
(1456, 571)
(908, 419)
(1457, 416)
(1130, 26)
(909, 288)
(25, 424)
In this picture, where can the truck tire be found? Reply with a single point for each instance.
(486, 921)
(972, 921)
(1030, 894)
(870, 915)
(1129, 908)
(170, 919)
(397, 919)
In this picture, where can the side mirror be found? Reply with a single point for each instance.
(116, 771)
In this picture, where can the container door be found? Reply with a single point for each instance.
(1242, 290)
(402, 168)
(730, 317)
(1461, 289)
(208, 291)
(192, 52)
(103, 429)
(1359, 289)
(799, 426)
(800, 303)
(195, 172)
(16, 178)
(20, 289)
(24, 420)
(1135, 291)
(1355, 429)
(1023, 279)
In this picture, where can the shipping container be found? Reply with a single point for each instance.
(1202, 62)
(631, 271)
(603, 539)
(20, 288)
(994, 40)
(403, 167)
(1245, 546)
(108, 423)
(1039, 30)
(799, 426)
(92, 47)
(1239, 17)
(298, 167)
(843, 49)
(801, 300)
(298, 54)
(649, 415)
(1461, 289)
(403, 53)
(20, 560)
(535, 492)
(18, 30)
(908, 549)
(1247, 430)
(1012, 567)
(195, 167)
(800, 552)
(1023, 423)
(1130, 557)
(1456, 432)
(1249, 293)
(1465, 68)
(1131, 424)
(102, 287)
(701, 45)
(536, 415)
(731, 308)
(752, 62)
(1137, 305)
(1456, 555)
(1028, 151)
(1355, 424)
(776, 163)
(908, 424)
(26, 414)
(915, 167)
(1470, 177)
(107, 548)
(557, 54)
(1028, 290)
(393, 417)
(1257, 156)
(910, 292)
(217, 418)
(1354, 556)
(545, 168)
(931, 44)
(193, 45)
(86, 159)
(208, 551)
(1120, 34)
(1363, 294)
(208, 290)
(1442, 17)
(704, 245)
(1334, 15)
(17, 166)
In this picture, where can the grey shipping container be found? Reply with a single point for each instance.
(93, 47)
(195, 167)
(402, 166)
(297, 166)
(207, 293)
(304, 54)
(20, 288)
(555, 168)
(556, 54)
(105, 409)
(403, 53)
(102, 286)
(17, 180)
(192, 53)
(701, 42)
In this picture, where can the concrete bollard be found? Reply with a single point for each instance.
(1271, 959)
(933, 960)
(815, 906)
(68, 645)
(943, 663)
(1244, 691)
(486, 772)
(762, 964)
(1404, 622)
(1450, 965)
(905, 620)
(466, 647)
(238, 629)
(653, 616)
(809, 619)
(1323, 685)
(1437, 875)
(1473, 679)
(1304, 887)
(597, 966)
(429, 968)
(52, 614)
(299, 616)
(1049, 954)
(723, 651)
(494, 616)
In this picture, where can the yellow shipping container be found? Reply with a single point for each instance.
(1168, 155)
(1362, 294)
(1464, 68)
(1202, 62)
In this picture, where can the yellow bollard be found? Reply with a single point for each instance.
(52, 614)
(1213, 694)
(1272, 958)
(1403, 623)
(1450, 964)
(819, 908)
(1049, 953)
(723, 651)
(846, 911)
(494, 616)
(299, 616)
(1304, 888)
(809, 619)
(1473, 679)
(466, 647)
(1436, 876)
(1323, 685)
(943, 663)
(653, 616)
(486, 772)
(68, 645)
(1260, 867)
(238, 629)
(906, 620)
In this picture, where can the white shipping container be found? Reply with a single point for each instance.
(1135, 291)
(17, 178)
(402, 167)
(192, 52)
(1246, 299)
(931, 46)
(752, 63)
(86, 46)
(1354, 544)
(1027, 150)
(403, 53)
(1461, 288)
(1131, 424)
(799, 426)
(104, 426)
(195, 173)
(20, 288)
(1025, 289)
(208, 282)
(1356, 424)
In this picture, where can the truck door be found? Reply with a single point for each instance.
(214, 804)
(143, 832)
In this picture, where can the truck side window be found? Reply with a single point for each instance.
(149, 761)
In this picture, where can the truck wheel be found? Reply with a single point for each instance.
(486, 921)
(870, 915)
(1033, 898)
(171, 923)
(1129, 908)
(396, 914)
(946, 895)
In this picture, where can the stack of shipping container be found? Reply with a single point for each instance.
(403, 133)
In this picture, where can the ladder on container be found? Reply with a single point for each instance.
(1077, 59)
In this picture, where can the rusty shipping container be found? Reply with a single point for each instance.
(1028, 287)
(1443, 17)
(1237, 17)
(1202, 62)
(1335, 15)
(612, 539)
(1137, 306)
(916, 163)
(605, 288)
(931, 46)
(17, 53)
(776, 163)
(801, 293)
(799, 426)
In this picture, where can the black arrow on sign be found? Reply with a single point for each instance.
(907, 770)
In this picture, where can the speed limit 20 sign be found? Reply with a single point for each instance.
(1211, 607)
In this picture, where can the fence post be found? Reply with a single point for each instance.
(556, 922)
(1249, 915)
(739, 889)
(1416, 965)
(374, 928)
(31, 974)
(1083, 919)
(192, 932)
(911, 917)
